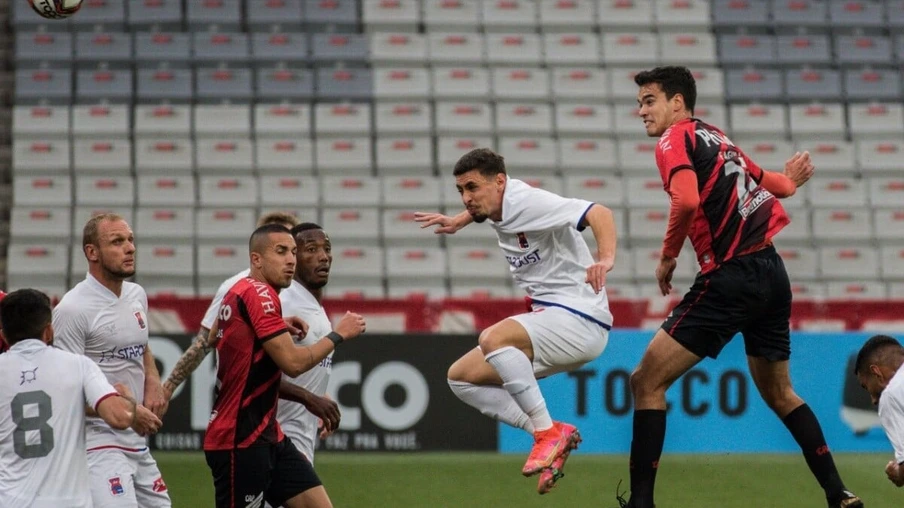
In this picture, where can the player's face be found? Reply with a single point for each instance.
(314, 258)
(657, 112)
(278, 260)
(481, 196)
(874, 380)
(116, 249)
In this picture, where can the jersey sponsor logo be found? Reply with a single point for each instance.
(758, 199)
(525, 260)
(327, 363)
(159, 485)
(712, 137)
(522, 241)
(116, 487)
(254, 501)
(263, 291)
(665, 141)
(140, 317)
(28, 376)
(123, 353)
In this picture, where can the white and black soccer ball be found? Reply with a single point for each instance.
(55, 9)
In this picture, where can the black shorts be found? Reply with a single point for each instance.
(274, 473)
(750, 294)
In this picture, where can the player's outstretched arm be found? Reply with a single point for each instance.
(602, 223)
(321, 407)
(446, 225)
(154, 397)
(204, 343)
(294, 360)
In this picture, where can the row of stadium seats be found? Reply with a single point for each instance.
(410, 15)
(115, 49)
(394, 227)
(172, 267)
(792, 16)
(565, 118)
(811, 49)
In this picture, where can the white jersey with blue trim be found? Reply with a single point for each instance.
(539, 234)
(891, 413)
(112, 331)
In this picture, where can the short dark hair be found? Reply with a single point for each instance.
(304, 226)
(24, 314)
(262, 232)
(877, 350)
(673, 80)
(487, 162)
(277, 218)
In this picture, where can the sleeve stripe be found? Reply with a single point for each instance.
(273, 335)
(675, 170)
(105, 397)
(583, 216)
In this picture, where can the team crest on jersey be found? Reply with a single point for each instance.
(159, 486)
(116, 487)
(140, 317)
(522, 241)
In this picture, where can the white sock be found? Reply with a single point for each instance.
(493, 401)
(518, 379)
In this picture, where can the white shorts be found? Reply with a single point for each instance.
(303, 433)
(562, 341)
(124, 479)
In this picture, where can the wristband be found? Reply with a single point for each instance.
(335, 338)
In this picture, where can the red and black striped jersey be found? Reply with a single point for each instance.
(244, 412)
(737, 215)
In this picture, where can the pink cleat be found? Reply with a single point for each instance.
(549, 445)
(556, 471)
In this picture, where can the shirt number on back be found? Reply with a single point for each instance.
(744, 184)
(33, 422)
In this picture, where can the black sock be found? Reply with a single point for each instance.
(806, 431)
(646, 448)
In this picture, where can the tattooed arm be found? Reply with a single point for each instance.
(204, 343)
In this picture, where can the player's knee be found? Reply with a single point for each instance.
(489, 341)
(455, 373)
(638, 382)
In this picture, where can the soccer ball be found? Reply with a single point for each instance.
(55, 9)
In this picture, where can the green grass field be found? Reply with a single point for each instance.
(491, 480)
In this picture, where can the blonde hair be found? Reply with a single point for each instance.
(281, 218)
(89, 234)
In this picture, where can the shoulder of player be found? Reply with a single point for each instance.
(133, 290)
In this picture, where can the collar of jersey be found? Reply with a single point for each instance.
(28, 345)
(94, 283)
(303, 293)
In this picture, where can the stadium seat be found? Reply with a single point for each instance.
(49, 48)
(630, 49)
(460, 83)
(224, 156)
(683, 15)
(506, 49)
(728, 15)
(624, 16)
(153, 49)
(804, 50)
(712, 113)
(864, 290)
(399, 83)
(758, 120)
(405, 155)
(145, 15)
(808, 85)
(571, 48)
(892, 258)
(107, 190)
(81, 215)
(398, 48)
(805, 291)
(567, 16)
(746, 50)
(354, 226)
(400, 230)
(580, 83)
(830, 156)
(583, 119)
(353, 290)
(802, 263)
(520, 83)
(463, 118)
(637, 156)
(282, 120)
(169, 85)
(859, 50)
(217, 121)
(356, 263)
(44, 86)
(790, 16)
(509, 16)
(391, 15)
(837, 192)
(100, 121)
(41, 122)
(289, 191)
(886, 192)
(691, 49)
(648, 224)
(479, 264)
(872, 85)
(40, 224)
(764, 85)
(228, 191)
(646, 192)
(160, 155)
(290, 49)
(42, 189)
(880, 156)
(514, 118)
(889, 223)
(225, 223)
(220, 48)
(606, 190)
(834, 225)
(857, 14)
(112, 49)
(41, 156)
(171, 191)
(346, 155)
(102, 14)
(413, 270)
(331, 16)
(342, 119)
(403, 118)
(710, 83)
(216, 84)
(450, 148)
(628, 124)
(165, 223)
(768, 154)
(39, 265)
(349, 48)
(457, 15)
(530, 153)
(222, 14)
(816, 120)
(111, 156)
(799, 231)
(166, 268)
(546, 181)
(351, 191)
(284, 156)
(876, 120)
(162, 120)
(410, 192)
(645, 259)
(849, 262)
(344, 84)
(218, 260)
(114, 86)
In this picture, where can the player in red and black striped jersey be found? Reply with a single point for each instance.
(252, 461)
(729, 208)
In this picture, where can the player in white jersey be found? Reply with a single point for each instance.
(302, 299)
(322, 407)
(43, 396)
(878, 368)
(105, 318)
(539, 234)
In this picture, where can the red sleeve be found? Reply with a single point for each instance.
(685, 200)
(264, 310)
(774, 182)
(673, 152)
